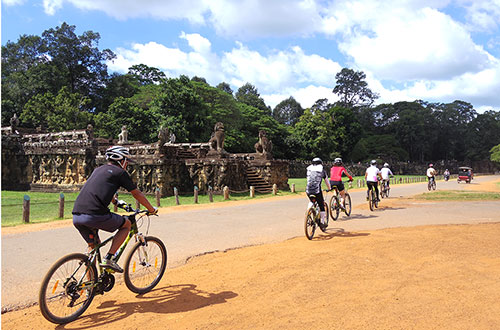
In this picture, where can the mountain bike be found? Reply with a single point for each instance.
(71, 283)
(335, 206)
(372, 199)
(431, 184)
(313, 218)
(384, 189)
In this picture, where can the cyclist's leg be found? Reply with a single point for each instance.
(89, 234)
(376, 190)
(121, 235)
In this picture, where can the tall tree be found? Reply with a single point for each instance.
(81, 65)
(146, 75)
(248, 94)
(224, 86)
(352, 89)
(288, 111)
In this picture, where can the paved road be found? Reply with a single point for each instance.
(27, 256)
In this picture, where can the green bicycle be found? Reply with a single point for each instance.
(71, 283)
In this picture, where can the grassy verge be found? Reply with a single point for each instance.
(459, 195)
(44, 207)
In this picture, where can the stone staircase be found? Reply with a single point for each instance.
(185, 154)
(261, 185)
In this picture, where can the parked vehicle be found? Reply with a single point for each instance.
(465, 174)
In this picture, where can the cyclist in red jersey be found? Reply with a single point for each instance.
(336, 178)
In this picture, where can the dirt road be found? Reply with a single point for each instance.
(418, 277)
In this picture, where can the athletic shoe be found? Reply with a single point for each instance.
(108, 263)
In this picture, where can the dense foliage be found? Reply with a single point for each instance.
(59, 81)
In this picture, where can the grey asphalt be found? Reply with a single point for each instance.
(27, 256)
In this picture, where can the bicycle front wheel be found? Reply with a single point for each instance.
(334, 208)
(434, 186)
(347, 204)
(145, 265)
(67, 289)
(310, 224)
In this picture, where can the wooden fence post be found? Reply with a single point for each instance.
(61, 206)
(275, 189)
(157, 195)
(210, 194)
(26, 209)
(195, 194)
(226, 193)
(252, 191)
(176, 194)
(293, 187)
(115, 206)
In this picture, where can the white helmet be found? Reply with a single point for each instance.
(317, 160)
(117, 153)
(338, 160)
(386, 165)
(373, 162)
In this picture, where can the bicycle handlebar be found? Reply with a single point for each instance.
(127, 207)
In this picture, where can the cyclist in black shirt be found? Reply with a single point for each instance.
(91, 211)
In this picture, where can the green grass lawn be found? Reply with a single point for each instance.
(44, 207)
(459, 195)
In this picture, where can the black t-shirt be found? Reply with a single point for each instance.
(100, 188)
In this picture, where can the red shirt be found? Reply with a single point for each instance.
(336, 173)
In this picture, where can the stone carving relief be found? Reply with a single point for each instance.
(264, 146)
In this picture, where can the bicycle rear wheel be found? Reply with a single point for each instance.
(371, 200)
(67, 289)
(433, 185)
(310, 224)
(334, 207)
(145, 265)
(347, 204)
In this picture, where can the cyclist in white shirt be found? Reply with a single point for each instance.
(372, 176)
(431, 172)
(386, 174)
(316, 173)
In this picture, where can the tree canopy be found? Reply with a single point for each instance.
(59, 81)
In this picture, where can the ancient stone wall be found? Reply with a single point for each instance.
(63, 161)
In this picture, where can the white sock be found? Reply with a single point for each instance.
(323, 217)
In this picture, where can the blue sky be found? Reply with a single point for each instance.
(433, 50)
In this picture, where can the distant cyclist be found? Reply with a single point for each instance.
(431, 173)
(315, 174)
(372, 175)
(336, 178)
(386, 175)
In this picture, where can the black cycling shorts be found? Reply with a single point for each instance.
(339, 184)
(88, 224)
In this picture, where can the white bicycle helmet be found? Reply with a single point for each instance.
(117, 153)
(337, 161)
(386, 165)
(373, 162)
(317, 160)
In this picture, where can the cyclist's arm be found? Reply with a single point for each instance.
(344, 171)
(139, 196)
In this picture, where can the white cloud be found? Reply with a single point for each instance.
(263, 18)
(191, 10)
(13, 2)
(306, 96)
(482, 15)
(51, 6)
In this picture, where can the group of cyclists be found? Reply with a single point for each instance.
(91, 211)
(316, 173)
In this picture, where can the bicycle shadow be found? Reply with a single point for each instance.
(337, 232)
(357, 216)
(166, 300)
